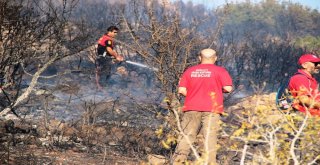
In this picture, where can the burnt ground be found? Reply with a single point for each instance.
(32, 154)
(64, 143)
(68, 121)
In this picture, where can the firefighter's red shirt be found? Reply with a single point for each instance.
(304, 84)
(204, 84)
(106, 40)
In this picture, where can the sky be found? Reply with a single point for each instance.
(313, 4)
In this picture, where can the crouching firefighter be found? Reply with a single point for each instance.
(105, 54)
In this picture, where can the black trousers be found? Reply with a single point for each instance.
(103, 66)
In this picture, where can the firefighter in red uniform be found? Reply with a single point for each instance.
(304, 86)
(105, 54)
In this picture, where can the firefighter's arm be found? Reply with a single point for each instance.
(227, 89)
(182, 90)
(114, 54)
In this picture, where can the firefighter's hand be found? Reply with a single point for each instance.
(119, 58)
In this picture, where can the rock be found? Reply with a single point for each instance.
(41, 92)
(264, 103)
(11, 117)
(156, 159)
(112, 143)
(148, 149)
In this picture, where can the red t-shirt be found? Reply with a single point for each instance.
(106, 41)
(304, 84)
(204, 84)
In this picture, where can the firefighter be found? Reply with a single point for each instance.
(105, 54)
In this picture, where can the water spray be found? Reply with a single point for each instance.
(141, 65)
